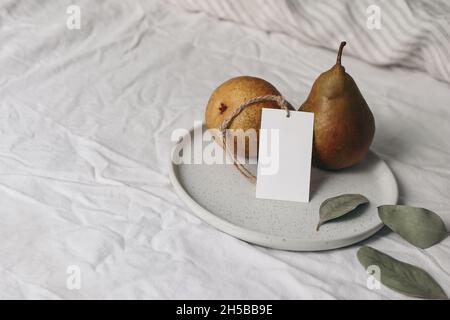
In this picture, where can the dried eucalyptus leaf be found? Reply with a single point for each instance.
(400, 276)
(336, 207)
(420, 227)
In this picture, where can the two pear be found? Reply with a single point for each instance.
(343, 123)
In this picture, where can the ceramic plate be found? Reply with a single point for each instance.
(224, 198)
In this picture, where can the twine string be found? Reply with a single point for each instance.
(281, 102)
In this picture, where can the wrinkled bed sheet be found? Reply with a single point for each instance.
(409, 33)
(85, 120)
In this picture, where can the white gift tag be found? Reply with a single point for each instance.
(285, 150)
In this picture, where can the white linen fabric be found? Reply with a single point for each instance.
(86, 117)
(410, 33)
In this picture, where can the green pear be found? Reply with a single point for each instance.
(344, 126)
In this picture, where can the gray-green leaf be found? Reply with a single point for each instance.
(336, 207)
(400, 276)
(420, 227)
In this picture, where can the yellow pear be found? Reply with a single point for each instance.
(231, 95)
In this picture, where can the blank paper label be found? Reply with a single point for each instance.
(284, 158)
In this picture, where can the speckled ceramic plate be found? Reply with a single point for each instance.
(222, 197)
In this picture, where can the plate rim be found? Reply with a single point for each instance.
(266, 240)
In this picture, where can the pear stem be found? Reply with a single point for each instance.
(339, 56)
